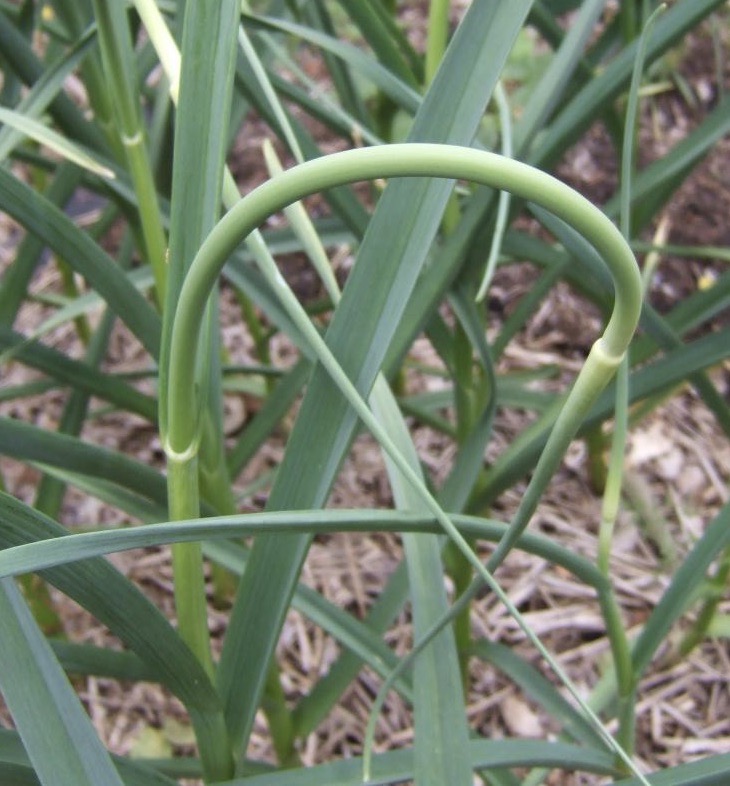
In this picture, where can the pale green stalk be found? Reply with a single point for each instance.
(612, 490)
(406, 160)
(187, 560)
(653, 257)
(615, 333)
(153, 233)
(182, 473)
(612, 493)
(185, 472)
(615, 628)
(438, 36)
(118, 59)
(411, 160)
(500, 222)
(185, 467)
(163, 42)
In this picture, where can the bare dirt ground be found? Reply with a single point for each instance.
(679, 465)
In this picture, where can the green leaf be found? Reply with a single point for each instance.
(402, 94)
(469, 460)
(713, 771)
(347, 94)
(441, 731)
(17, 277)
(278, 403)
(387, 41)
(604, 88)
(25, 442)
(539, 689)
(406, 220)
(719, 626)
(654, 185)
(55, 729)
(79, 376)
(12, 774)
(84, 304)
(48, 547)
(135, 505)
(548, 91)
(673, 368)
(681, 590)
(104, 592)
(23, 61)
(352, 634)
(45, 89)
(16, 769)
(86, 659)
(54, 141)
(42, 218)
(397, 767)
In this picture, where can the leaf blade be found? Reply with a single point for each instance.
(350, 339)
(56, 732)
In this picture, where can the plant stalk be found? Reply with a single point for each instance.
(119, 67)
(392, 161)
(430, 160)
(184, 503)
(438, 36)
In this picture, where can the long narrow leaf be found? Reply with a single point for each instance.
(680, 592)
(713, 771)
(17, 277)
(208, 55)
(42, 218)
(16, 769)
(56, 732)
(47, 547)
(44, 91)
(402, 228)
(397, 767)
(26, 442)
(539, 689)
(403, 94)
(355, 637)
(21, 58)
(441, 744)
(75, 374)
(670, 370)
(53, 140)
(386, 40)
(441, 731)
(105, 593)
(656, 183)
(589, 101)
